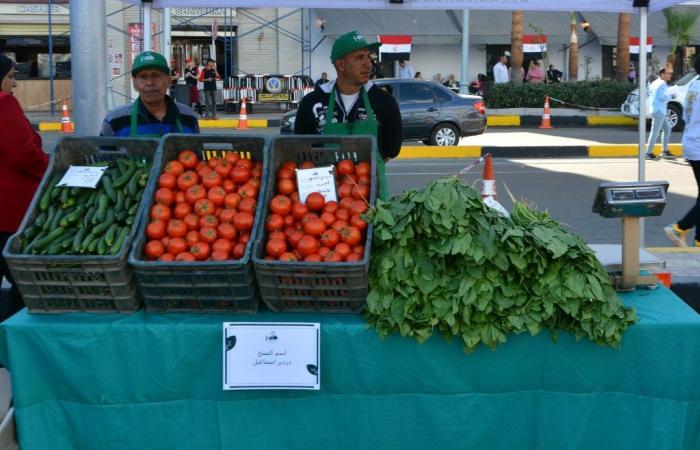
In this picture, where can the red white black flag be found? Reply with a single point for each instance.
(395, 47)
(534, 43)
(634, 44)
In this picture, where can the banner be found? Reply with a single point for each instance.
(634, 44)
(534, 43)
(136, 39)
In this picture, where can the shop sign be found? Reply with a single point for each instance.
(281, 97)
(32, 8)
(267, 355)
(195, 12)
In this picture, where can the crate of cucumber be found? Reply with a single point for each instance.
(70, 253)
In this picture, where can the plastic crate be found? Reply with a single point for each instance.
(88, 283)
(313, 286)
(204, 286)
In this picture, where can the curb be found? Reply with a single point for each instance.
(552, 151)
(525, 121)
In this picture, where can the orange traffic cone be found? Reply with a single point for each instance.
(243, 116)
(488, 179)
(66, 124)
(546, 122)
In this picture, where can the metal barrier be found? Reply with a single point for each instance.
(287, 90)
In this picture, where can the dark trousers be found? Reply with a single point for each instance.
(692, 218)
(13, 302)
(210, 102)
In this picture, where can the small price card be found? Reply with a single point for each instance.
(265, 355)
(82, 176)
(318, 179)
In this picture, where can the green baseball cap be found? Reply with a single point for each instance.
(150, 60)
(349, 42)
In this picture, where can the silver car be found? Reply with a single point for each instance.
(430, 112)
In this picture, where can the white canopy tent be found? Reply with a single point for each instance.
(640, 7)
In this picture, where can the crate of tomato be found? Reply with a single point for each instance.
(71, 251)
(312, 253)
(192, 252)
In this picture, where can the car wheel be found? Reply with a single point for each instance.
(674, 116)
(444, 134)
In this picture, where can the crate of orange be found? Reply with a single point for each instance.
(313, 256)
(193, 249)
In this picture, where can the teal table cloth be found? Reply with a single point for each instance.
(154, 381)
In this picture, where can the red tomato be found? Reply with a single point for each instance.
(314, 227)
(285, 174)
(160, 212)
(194, 193)
(167, 180)
(223, 168)
(364, 179)
(314, 257)
(323, 251)
(188, 159)
(203, 207)
(227, 231)
(156, 229)
(345, 190)
(345, 202)
(275, 247)
(342, 214)
(330, 238)
(359, 249)
(179, 196)
(307, 165)
(288, 256)
(243, 221)
(232, 200)
(247, 205)
(200, 250)
(274, 222)
(339, 225)
(192, 237)
(289, 221)
(248, 190)
(154, 249)
(212, 179)
(299, 210)
(232, 157)
(351, 236)
(182, 209)
(177, 228)
(174, 167)
(277, 235)
(363, 168)
(208, 220)
(291, 165)
(307, 245)
(222, 245)
(330, 207)
(358, 207)
(315, 201)
(166, 257)
(228, 185)
(208, 235)
(294, 238)
(333, 256)
(219, 255)
(286, 186)
(349, 179)
(185, 256)
(358, 222)
(217, 194)
(192, 221)
(360, 192)
(345, 167)
(240, 175)
(176, 245)
(343, 249)
(245, 162)
(353, 257)
(187, 179)
(328, 218)
(238, 251)
(226, 216)
(281, 205)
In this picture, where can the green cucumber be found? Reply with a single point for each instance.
(48, 239)
(107, 185)
(78, 239)
(102, 227)
(46, 198)
(124, 178)
(109, 236)
(123, 233)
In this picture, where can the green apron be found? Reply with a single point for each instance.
(350, 128)
(134, 122)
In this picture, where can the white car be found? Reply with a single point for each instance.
(675, 106)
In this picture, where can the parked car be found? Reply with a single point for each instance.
(675, 106)
(430, 112)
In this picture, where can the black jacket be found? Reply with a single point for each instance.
(313, 108)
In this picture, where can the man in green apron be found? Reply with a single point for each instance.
(153, 113)
(353, 105)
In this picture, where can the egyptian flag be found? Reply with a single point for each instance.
(395, 48)
(634, 44)
(534, 45)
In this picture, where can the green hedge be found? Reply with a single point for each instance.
(596, 94)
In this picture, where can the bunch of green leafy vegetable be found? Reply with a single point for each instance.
(441, 259)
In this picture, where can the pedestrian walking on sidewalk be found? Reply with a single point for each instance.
(23, 165)
(153, 113)
(191, 76)
(691, 152)
(659, 109)
(209, 76)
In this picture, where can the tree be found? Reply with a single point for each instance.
(573, 51)
(679, 27)
(624, 23)
(516, 48)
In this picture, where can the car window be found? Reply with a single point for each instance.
(441, 95)
(387, 87)
(416, 93)
(687, 78)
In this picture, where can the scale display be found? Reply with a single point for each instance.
(631, 199)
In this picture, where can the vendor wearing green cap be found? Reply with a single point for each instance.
(354, 104)
(153, 113)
